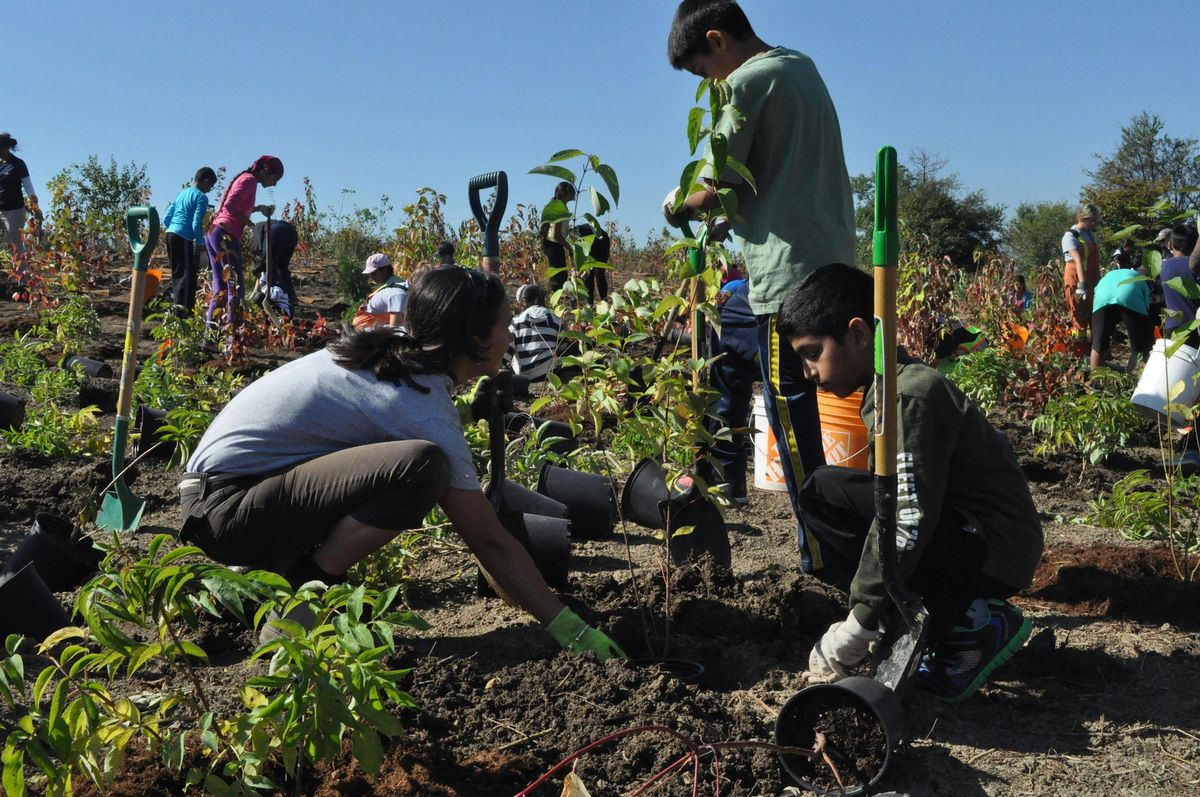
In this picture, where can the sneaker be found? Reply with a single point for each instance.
(961, 663)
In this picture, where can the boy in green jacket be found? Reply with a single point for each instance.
(967, 533)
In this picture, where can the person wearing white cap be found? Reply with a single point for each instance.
(385, 304)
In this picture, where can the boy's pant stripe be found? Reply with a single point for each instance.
(790, 402)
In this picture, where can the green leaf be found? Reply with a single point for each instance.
(599, 201)
(1185, 286)
(565, 154)
(354, 606)
(667, 303)
(718, 147)
(14, 769)
(555, 211)
(368, 750)
(686, 181)
(695, 128)
(609, 176)
(702, 88)
(729, 202)
(561, 172)
(1121, 235)
(741, 169)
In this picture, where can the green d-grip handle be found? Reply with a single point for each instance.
(142, 250)
(886, 240)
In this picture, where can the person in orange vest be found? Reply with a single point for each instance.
(385, 304)
(1081, 272)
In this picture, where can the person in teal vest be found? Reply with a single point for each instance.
(1122, 295)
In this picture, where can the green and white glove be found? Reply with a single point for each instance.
(570, 631)
(844, 645)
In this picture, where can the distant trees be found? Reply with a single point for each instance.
(96, 196)
(1148, 168)
(935, 215)
(1034, 234)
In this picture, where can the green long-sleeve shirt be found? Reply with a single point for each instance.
(948, 455)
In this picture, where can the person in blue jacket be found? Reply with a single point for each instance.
(184, 225)
(733, 375)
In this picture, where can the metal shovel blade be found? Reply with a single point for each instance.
(904, 655)
(120, 510)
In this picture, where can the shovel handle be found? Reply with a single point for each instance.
(489, 223)
(142, 250)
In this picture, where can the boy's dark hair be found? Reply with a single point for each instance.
(445, 251)
(694, 18)
(1183, 238)
(824, 304)
(438, 302)
(531, 294)
(205, 173)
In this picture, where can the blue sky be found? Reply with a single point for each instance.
(386, 97)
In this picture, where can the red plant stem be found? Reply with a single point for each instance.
(664, 772)
(604, 740)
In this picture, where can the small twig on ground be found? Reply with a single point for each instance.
(528, 738)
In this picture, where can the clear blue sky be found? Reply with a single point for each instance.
(385, 97)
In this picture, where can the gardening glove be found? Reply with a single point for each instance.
(570, 631)
(488, 392)
(675, 218)
(1081, 290)
(844, 645)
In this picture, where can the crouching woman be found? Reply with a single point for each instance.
(326, 459)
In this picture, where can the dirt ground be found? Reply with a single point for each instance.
(1101, 701)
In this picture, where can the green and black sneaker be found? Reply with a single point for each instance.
(958, 665)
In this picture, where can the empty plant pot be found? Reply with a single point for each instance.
(90, 367)
(12, 411)
(690, 507)
(685, 670)
(521, 500)
(588, 496)
(547, 432)
(548, 540)
(862, 721)
(149, 423)
(101, 392)
(645, 491)
(28, 607)
(63, 559)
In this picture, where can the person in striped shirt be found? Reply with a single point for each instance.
(535, 334)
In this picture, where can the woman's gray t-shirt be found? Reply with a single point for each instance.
(313, 406)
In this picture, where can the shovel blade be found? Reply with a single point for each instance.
(120, 510)
(904, 656)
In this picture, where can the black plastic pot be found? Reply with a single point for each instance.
(515, 422)
(691, 507)
(645, 491)
(149, 421)
(520, 386)
(521, 500)
(589, 497)
(62, 560)
(96, 368)
(28, 607)
(548, 540)
(685, 670)
(12, 411)
(794, 726)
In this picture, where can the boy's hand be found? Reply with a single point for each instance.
(844, 645)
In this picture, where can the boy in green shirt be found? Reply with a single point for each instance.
(967, 533)
(800, 215)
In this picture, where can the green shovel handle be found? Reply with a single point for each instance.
(142, 250)
(696, 257)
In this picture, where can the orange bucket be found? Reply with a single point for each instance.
(153, 280)
(843, 434)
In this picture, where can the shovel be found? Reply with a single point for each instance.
(489, 224)
(121, 510)
(267, 307)
(902, 657)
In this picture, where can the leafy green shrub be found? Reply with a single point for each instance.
(1140, 509)
(21, 361)
(1095, 423)
(71, 324)
(352, 285)
(984, 375)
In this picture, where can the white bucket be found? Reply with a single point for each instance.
(768, 470)
(1174, 381)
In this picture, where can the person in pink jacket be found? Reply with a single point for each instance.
(224, 238)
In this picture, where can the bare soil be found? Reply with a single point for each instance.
(1102, 700)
